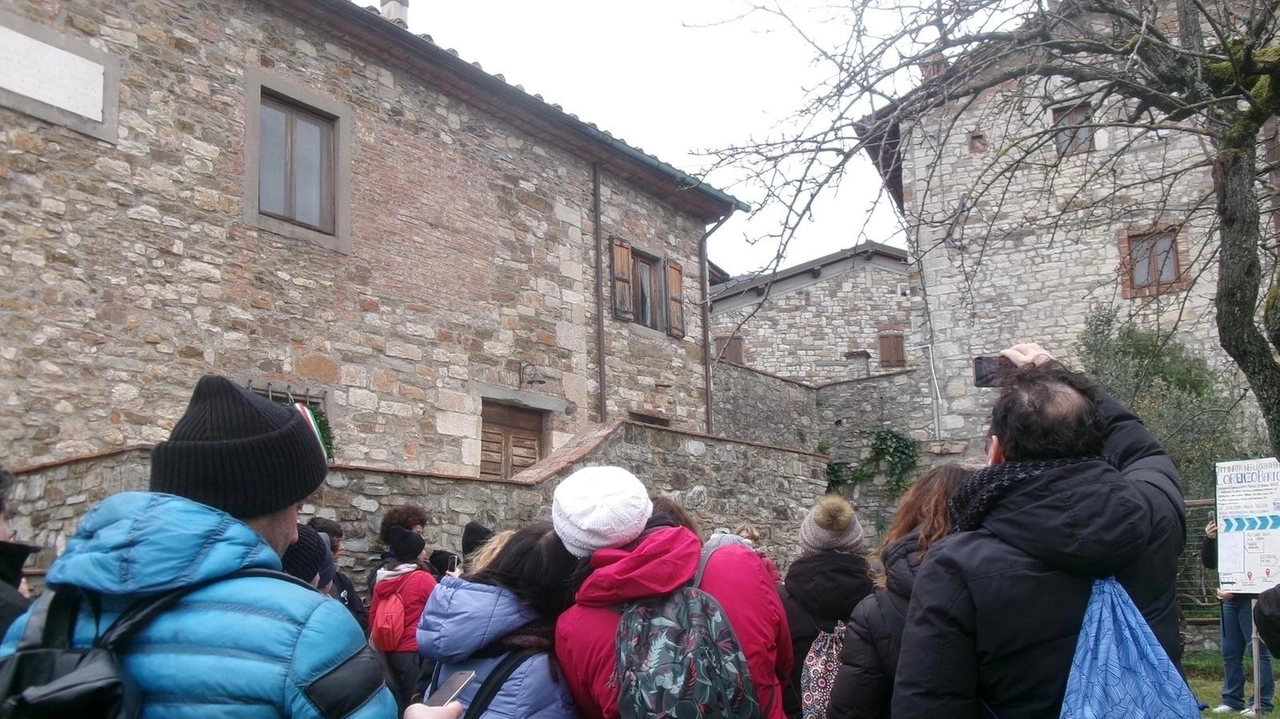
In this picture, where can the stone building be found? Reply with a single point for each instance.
(839, 317)
(307, 195)
(818, 355)
(304, 196)
(1095, 217)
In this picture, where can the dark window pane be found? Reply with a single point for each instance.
(1141, 258)
(644, 297)
(272, 163)
(1168, 261)
(308, 176)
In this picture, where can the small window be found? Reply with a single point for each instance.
(647, 290)
(510, 440)
(977, 143)
(297, 161)
(1153, 259)
(295, 165)
(892, 351)
(1073, 129)
(729, 349)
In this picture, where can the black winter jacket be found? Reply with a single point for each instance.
(869, 661)
(344, 591)
(996, 611)
(820, 590)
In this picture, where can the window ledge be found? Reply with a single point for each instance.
(256, 79)
(647, 331)
(293, 231)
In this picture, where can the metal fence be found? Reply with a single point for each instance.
(1196, 584)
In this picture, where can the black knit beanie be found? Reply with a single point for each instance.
(474, 535)
(305, 558)
(239, 452)
(406, 545)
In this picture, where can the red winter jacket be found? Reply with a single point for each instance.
(664, 560)
(413, 586)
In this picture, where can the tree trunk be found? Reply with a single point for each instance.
(1240, 276)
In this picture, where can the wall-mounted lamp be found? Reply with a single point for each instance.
(529, 375)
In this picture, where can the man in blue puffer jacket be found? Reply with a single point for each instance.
(226, 489)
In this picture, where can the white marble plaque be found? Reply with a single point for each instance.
(47, 74)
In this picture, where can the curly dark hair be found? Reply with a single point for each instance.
(406, 517)
(1048, 412)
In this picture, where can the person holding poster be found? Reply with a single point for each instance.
(1237, 637)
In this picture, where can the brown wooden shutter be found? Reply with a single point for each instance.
(492, 450)
(510, 440)
(675, 299)
(729, 349)
(733, 352)
(622, 308)
(892, 352)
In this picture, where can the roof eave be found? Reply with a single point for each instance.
(443, 69)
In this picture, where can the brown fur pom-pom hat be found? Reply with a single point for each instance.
(831, 524)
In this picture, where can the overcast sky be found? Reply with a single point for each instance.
(671, 77)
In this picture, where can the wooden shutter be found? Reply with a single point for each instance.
(622, 308)
(729, 349)
(675, 299)
(892, 352)
(510, 440)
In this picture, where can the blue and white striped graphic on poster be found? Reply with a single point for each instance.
(1249, 525)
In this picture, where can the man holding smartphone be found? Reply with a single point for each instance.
(1075, 489)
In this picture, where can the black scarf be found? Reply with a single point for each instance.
(978, 494)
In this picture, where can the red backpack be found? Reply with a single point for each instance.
(386, 624)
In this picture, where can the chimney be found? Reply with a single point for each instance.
(397, 11)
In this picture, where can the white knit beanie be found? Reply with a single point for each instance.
(599, 508)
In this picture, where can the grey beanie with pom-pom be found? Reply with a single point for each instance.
(831, 524)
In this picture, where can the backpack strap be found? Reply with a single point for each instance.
(702, 562)
(52, 621)
(144, 611)
(493, 683)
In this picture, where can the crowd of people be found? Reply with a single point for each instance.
(620, 606)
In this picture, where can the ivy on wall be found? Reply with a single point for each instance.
(326, 433)
(892, 453)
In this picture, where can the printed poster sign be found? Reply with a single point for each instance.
(1249, 525)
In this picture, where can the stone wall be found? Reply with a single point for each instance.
(722, 482)
(834, 418)
(1045, 244)
(825, 328)
(760, 407)
(901, 401)
(130, 269)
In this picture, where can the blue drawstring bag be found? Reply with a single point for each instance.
(1119, 669)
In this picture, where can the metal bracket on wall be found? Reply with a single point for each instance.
(285, 393)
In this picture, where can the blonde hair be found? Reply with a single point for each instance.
(487, 551)
(748, 531)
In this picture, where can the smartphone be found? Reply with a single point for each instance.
(451, 689)
(453, 562)
(990, 371)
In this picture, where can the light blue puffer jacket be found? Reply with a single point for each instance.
(244, 648)
(460, 619)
